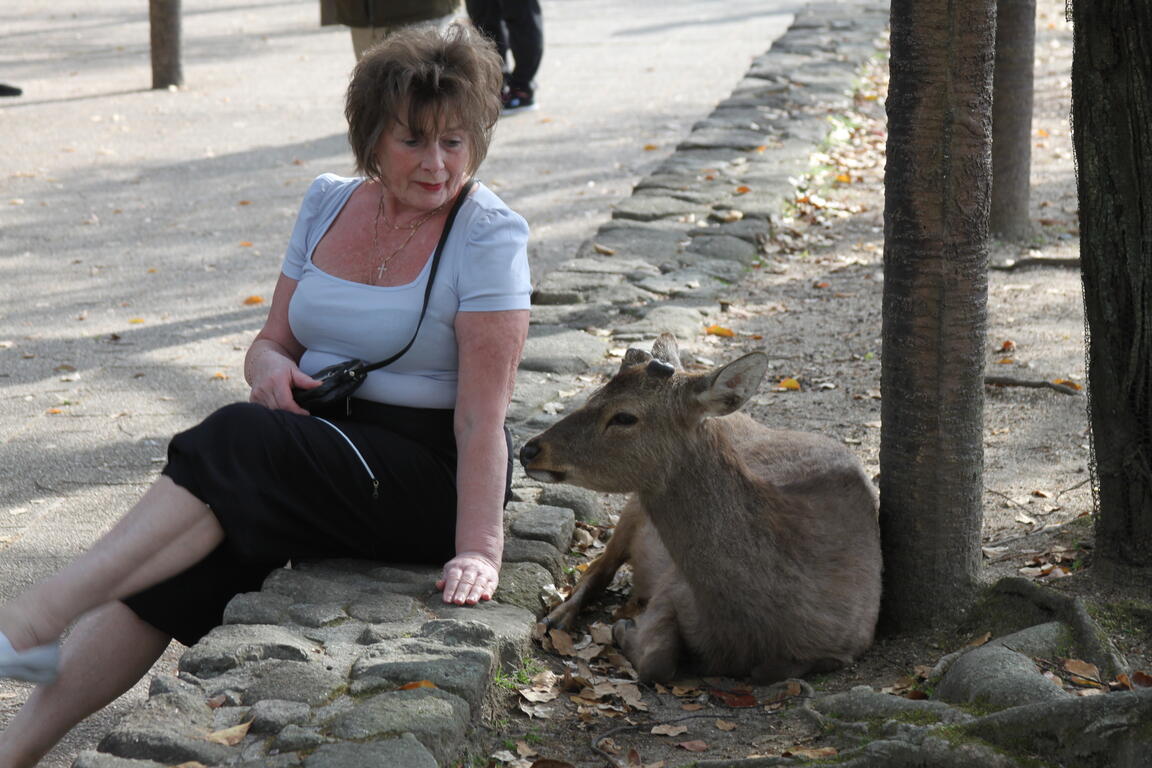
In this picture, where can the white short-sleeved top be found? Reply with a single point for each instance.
(484, 268)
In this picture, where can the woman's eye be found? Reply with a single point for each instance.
(623, 419)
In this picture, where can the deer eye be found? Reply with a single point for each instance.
(623, 419)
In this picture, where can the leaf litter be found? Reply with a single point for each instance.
(832, 234)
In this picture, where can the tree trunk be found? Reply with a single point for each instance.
(1111, 117)
(164, 23)
(937, 190)
(1012, 118)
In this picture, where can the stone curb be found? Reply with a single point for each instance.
(350, 663)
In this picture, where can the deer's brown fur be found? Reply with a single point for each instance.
(755, 551)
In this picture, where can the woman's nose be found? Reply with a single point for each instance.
(433, 158)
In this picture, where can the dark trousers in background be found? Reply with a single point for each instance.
(516, 26)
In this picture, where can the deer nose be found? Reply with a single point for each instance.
(530, 451)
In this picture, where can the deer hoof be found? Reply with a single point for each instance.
(562, 616)
(621, 629)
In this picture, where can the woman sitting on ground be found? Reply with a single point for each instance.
(414, 468)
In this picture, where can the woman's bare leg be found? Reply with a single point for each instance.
(167, 531)
(108, 651)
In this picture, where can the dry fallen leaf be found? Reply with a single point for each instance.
(538, 697)
(733, 698)
(694, 746)
(418, 684)
(651, 147)
(725, 725)
(601, 633)
(1084, 670)
(789, 690)
(1142, 679)
(742, 190)
(603, 249)
(219, 375)
(719, 330)
(230, 737)
(245, 243)
(535, 710)
(810, 754)
(669, 729)
(254, 300)
(788, 385)
(561, 641)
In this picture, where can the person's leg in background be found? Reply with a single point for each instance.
(525, 29)
(364, 38)
(486, 16)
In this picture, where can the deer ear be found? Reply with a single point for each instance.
(634, 357)
(665, 350)
(728, 388)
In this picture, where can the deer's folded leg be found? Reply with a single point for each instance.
(600, 572)
(652, 641)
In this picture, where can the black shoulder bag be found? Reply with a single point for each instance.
(339, 381)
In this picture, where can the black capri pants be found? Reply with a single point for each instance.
(362, 480)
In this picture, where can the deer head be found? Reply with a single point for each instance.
(636, 423)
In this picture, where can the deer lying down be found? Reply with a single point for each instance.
(756, 552)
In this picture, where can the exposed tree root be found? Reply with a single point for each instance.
(1093, 643)
(1009, 381)
(1036, 719)
(1110, 731)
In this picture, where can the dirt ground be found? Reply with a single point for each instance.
(814, 306)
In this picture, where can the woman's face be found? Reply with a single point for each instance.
(423, 170)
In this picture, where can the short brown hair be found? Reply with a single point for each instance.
(453, 75)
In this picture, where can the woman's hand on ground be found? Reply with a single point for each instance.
(469, 578)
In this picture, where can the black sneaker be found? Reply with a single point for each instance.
(9, 90)
(516, 101)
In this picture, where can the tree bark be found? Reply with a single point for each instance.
(937, 190)
(164, 26)
(1111, 115)
(1012, 118)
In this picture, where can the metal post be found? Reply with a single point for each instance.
(164, 22)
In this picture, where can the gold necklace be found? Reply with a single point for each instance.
(412, 228)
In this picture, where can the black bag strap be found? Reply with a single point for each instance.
(431, 275)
